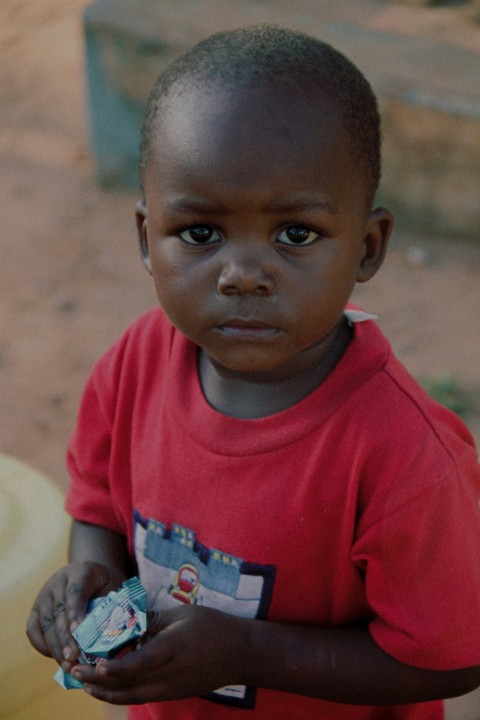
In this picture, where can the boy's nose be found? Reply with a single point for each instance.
(247, 275)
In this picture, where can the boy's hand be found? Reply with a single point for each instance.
(62, 604)
(190, 651)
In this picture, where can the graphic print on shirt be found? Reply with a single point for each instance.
(175, 567)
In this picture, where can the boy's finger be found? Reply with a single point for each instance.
(47, 627)
(69, 649)
(35, 633)
(82, 586)
(76, 599)
(115, 691)
(51, 637)
(156, 621)
(89, 675)
(149, 660)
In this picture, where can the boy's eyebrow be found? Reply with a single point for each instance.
(193, 204)
(302, 203)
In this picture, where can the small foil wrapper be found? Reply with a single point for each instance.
(114, 625)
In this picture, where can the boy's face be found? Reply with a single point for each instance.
(256, 225)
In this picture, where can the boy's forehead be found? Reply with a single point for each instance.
(258, 143)
(283, 116)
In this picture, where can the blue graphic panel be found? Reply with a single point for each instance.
(175, 567)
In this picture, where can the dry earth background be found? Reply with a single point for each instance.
(70, 278)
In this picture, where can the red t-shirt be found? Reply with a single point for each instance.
(357, 505)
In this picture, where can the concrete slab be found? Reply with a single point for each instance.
(429, 92)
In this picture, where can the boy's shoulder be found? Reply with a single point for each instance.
(151, 323)
(152, 328)
(397, 403)
(142, 345)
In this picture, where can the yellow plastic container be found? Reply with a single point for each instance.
(33, 540)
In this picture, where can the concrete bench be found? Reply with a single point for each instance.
(429, 93)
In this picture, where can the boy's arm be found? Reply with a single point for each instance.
(345, 665)
(93, 543)
(196, 650)
(99, 563)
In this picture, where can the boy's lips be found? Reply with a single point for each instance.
(252, 330)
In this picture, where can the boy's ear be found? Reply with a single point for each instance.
(377, 234)
(141, 222)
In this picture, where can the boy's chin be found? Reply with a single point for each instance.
(256, 367)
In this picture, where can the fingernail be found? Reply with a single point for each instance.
(67, 653)
(101, 668)
(73, 625)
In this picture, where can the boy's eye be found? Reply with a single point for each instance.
(297, 235)
(200, 235)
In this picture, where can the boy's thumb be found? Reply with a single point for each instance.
(156, 621)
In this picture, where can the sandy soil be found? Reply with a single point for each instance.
(70, 278)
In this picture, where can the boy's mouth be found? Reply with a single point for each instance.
(248, 330)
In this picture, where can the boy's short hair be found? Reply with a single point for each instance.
(250, 56)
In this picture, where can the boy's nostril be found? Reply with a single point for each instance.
(237, 282)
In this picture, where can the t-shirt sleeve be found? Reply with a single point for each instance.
(422, 572)
(88, 458)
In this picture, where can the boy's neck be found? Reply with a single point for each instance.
(249, 397)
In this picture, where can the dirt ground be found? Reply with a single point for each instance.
(70, 278)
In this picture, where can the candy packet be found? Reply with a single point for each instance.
(113, 626)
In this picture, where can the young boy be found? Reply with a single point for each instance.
(304, 518)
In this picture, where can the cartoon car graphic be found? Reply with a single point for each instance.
(186, 584)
